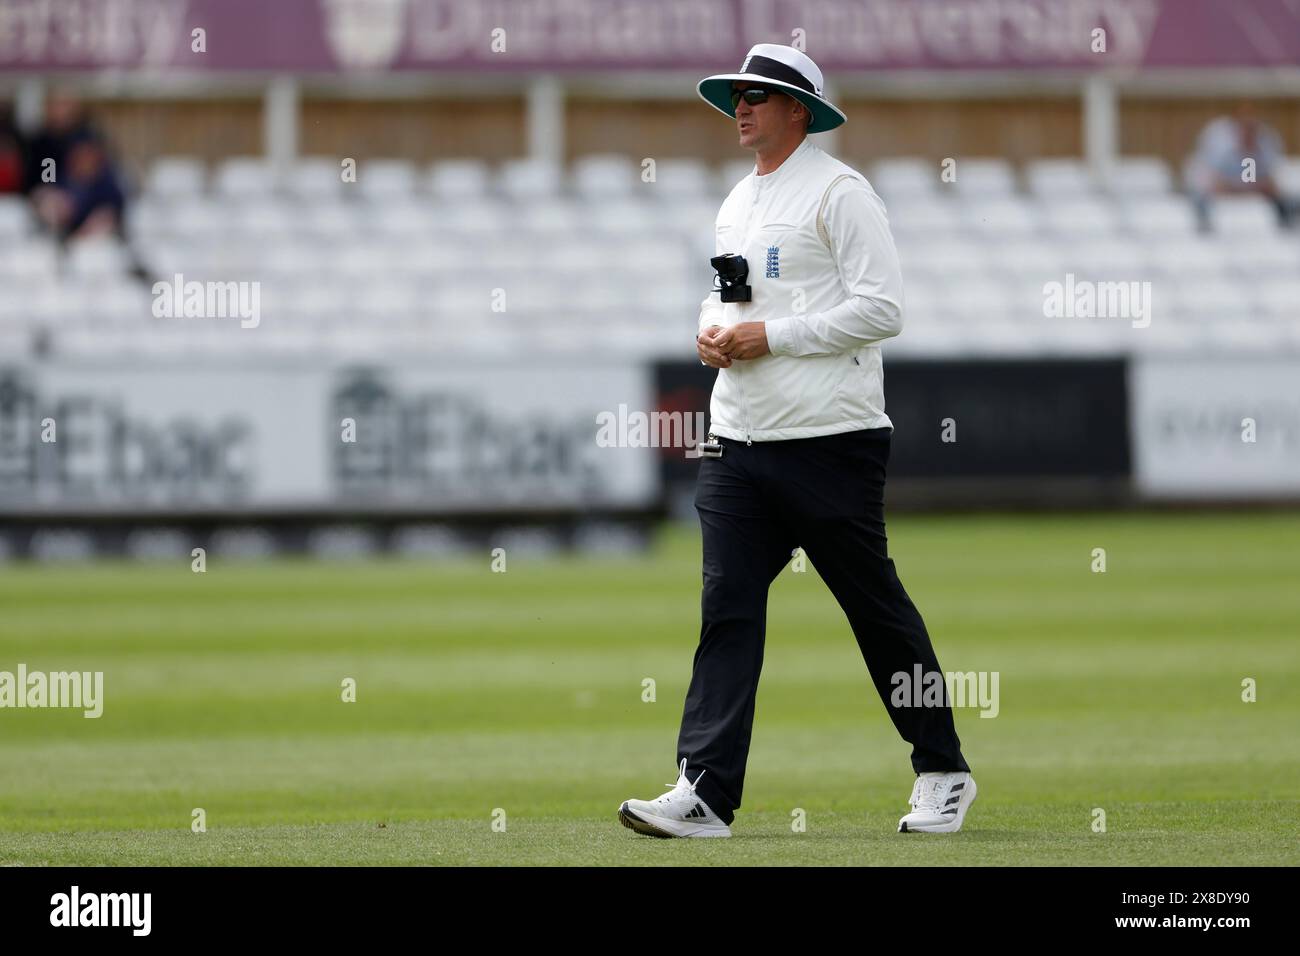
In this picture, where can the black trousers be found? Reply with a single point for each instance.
(757, 503)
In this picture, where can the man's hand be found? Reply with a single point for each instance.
(744, 340)
(706, 345)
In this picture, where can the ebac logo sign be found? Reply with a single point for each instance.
(93, 446)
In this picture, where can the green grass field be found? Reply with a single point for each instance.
(522, 691)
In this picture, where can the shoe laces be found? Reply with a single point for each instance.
(682, 787)
(930, 792)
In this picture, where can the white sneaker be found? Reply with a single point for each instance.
(939, 803)
(678, 813)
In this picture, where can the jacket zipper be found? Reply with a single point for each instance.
(744, 406)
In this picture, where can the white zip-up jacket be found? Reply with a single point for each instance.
(826, 281)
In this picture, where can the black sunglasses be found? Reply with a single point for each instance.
(753, 96)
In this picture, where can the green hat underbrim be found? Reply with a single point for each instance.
(716, 91)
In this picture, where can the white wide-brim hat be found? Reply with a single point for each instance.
(772, 64)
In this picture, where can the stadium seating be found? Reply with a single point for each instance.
(412, 258)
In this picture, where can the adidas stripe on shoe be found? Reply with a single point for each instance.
(939, 803)
(678, 813)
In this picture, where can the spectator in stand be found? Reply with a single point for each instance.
(11, 152)
(1218, 165)
(87, 198)
(65, 122)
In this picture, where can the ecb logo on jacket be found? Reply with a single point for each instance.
(773, 262)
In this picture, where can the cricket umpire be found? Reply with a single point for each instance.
(798, 443)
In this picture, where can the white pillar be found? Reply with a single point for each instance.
(280, 121)
(1100, 126)
(29, 104)
(546, 119)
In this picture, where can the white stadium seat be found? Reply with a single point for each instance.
(693, 219)
(294, 259)
(1188, 256)
(385, 179)
(651, 260)
(245, 177)
(1257, 256)
(1211, 299)
(550, 218)
(1241, 337)
(572, 260)
(151, 216)
(899, 179)
(974, 299)
(677, 179)
(36, 258)
(1108, 259)
(1243, 216)
(731, 173)
(1031, 258)
(528, 180)
(1073, 218)
(1053, 179)
(265, 218)
(409, 219)
(536, 296)
(399, 261)
(956, 257)
(16, 218)
(1288, 176)
(453, 180)
(1159, 216)
(317, 300)
(1279, 298)
(980, 176)
(603, 177)
(123, 303)
(463, 302)
(196, 217)
(331, 221)
(923, 217)
(16, 294)
(1145, 176)
(175, 177)
(621, 218)
(315, 178)
(99, 257)
(1008, 216)
(486, 218)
